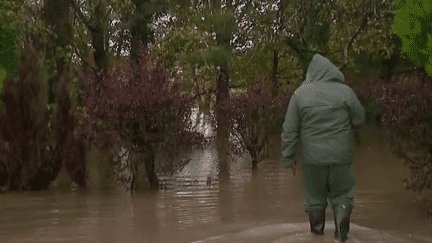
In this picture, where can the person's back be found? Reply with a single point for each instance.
(321, 116)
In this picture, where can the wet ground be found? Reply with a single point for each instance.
(299, 232)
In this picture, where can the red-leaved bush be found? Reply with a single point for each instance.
(253, 117)
(137, 107)
(405, 106)
(120, 99)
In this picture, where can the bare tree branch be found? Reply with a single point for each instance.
(83, 60)
(81, 16)
(352, 39)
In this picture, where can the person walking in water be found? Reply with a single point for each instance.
(321, 116)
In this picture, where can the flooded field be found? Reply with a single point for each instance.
(196, 205)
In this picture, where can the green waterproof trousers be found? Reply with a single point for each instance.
(334, 183)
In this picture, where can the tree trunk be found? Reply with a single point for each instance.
(150, 168)
(143, 170)
(275, 72)
(222, 131)
(222, 94)
(141, 36)
(96, 25)
(24, 126)
(3, 170)
(57, 15)
(74, 158)
(254, 164)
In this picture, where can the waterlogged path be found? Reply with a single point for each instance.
(298, 232)
(197, 206)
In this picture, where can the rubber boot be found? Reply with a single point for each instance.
(342, 214)
(317, 221)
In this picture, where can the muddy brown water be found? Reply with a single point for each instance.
(196, 206)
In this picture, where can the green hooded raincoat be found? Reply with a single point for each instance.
(321, 115)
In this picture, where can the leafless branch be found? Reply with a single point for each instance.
(84, 61)
(352, 39)
(81, 16)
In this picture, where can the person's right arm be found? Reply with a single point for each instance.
(290, 132)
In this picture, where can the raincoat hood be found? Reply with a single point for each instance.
(322, 70)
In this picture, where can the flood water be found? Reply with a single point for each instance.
(195, 204)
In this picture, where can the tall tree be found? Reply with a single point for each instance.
(141, 37)
(200, 46)
(57, 16)
(97, 24)
(412, 25)
(31, 160)
(223, 26)
(316, 26)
